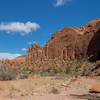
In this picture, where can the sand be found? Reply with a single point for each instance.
(49, 88)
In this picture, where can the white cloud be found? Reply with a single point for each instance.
(24, 49)
(61, 2)
(8, 56)
(33, 42)
(21, 28)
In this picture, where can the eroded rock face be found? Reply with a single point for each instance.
(68, 44)
(34, 55)
(71, 43)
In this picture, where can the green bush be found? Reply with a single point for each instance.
(23, 74)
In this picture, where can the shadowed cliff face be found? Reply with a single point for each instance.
(94, 47)
(94, 44)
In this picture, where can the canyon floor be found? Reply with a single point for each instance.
(49, 88)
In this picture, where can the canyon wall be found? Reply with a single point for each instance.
(67, 44)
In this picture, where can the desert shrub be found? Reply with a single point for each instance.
(43, 74)
(54, 90)
(74, 67)
(8, 73)
(24, 74)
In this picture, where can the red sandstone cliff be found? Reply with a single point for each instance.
(69, 43)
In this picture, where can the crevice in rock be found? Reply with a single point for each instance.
(94, 47)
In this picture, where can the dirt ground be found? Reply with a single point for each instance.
(49, 88)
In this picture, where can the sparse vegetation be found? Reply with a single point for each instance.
(54, 90)
(7, 73)
(77, 67)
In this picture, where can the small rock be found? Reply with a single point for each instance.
(66, 85)
(95, 89)
(35, 76)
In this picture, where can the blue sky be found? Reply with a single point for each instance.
(23, 22)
